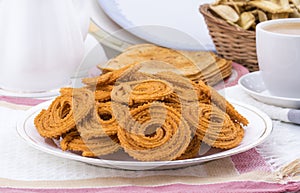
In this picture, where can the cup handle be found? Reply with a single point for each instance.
(83, 16)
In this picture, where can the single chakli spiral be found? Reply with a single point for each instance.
(155, 132)
(184, 88)
(94, 147)
(64, 112)
(143, 91)
(100, 122)
(217, 129)
(206, 92)
(192, 150)
(110, 78)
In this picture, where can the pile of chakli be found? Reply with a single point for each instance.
(195, 65)
(247, 14)
(150, 114)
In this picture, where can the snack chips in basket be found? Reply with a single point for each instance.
(248, 13)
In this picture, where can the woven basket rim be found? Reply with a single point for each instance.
(232, 42)
(205, 11)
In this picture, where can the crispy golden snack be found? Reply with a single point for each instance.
(205, 91)
(102, 93)
(108, 78)
(247, 14)
(95, 147)
(226, 12)
(183, 87)
(141, 91)
(101, 122)
(198, 65)
(192, 150)
(64, 112)
(217, 129)
(156, 132)
(153, 115)
(147, 52)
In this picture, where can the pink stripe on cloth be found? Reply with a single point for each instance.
(249, 161)
(240, 187)
(21, 101)
(233, 79)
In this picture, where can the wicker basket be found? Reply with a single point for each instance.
(231, 42)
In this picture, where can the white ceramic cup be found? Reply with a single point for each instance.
(279, 58)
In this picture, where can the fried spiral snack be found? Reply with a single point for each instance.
(183, 87)
(101, 122)
(215, 98)
(111, 77)
(92, 147)
(161, 116)
(217, 129)
(106, 79)
(156, 132)
(192, 150)
(141, 91)
(64, 112)
(102, 93)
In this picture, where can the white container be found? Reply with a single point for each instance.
(279, 58)
(42, 43)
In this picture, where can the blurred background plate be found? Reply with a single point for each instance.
(112, 36)
(171, 23)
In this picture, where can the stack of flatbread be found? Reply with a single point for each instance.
(195, 65)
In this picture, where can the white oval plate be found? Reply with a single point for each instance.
(254, 85)
(255, 133)
(175, 24)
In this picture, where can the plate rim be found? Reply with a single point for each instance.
(118, 164)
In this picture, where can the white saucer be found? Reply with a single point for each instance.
(253, 84)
